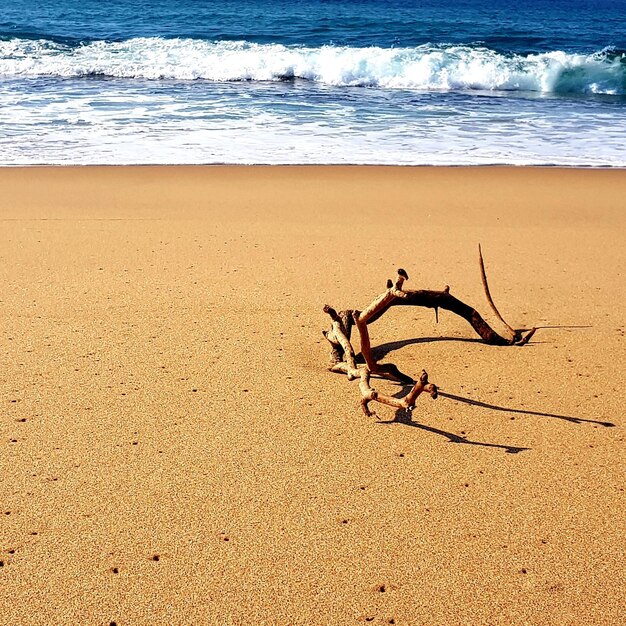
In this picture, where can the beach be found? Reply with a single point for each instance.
(173, 449)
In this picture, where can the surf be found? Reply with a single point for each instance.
(427, 67)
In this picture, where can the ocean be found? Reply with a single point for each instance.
(411, 82)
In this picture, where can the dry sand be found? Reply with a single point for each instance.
(164, 396)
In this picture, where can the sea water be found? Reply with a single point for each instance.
(313, 81)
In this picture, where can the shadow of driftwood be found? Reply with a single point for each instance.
(494, 407)
(565, 327)
(381, 351)
(404, 417)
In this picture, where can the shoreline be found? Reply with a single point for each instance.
(546, 166)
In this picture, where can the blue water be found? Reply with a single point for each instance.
(313, 81)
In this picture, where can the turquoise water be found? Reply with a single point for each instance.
(385, 81)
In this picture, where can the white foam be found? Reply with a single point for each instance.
(49, 114)
(424, 67)
(73, 131)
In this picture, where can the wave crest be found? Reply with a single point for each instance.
(427, 67)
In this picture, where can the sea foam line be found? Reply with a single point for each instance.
(426, 67)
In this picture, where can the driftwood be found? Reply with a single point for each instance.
(343, 357)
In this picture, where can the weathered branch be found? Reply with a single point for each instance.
(344, 322)
(364, 372)
(407, 402)
(386, 370)
(444, 300)
(343, 357)
(483, 276)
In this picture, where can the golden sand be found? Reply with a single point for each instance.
(173, 450)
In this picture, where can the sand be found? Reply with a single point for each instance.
(174, 451)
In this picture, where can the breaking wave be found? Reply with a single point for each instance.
(427, 67)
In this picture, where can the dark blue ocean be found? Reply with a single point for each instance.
(313, 81)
